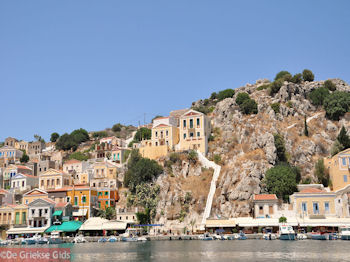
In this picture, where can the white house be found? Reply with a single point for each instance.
(24, 182)
(40, 212)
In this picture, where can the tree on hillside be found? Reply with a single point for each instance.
(330, 85)
(39, 138)
(227, 93)
(297, 78)
(72, 140)
(241, 97)
(117, 127)
(321, 173)
(143, 133)
(283, 75)
(281, 180)
(54, 137)
(24, 158)
(280, 148)
(140, 170)
(275, 86)
(308, 75)
(306, 130)
(336, 104)
(318, 96)
(343, 138)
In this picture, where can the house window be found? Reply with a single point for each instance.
(107, 203)
(26, 201)
(191, 123)
(261, 210)
(316, 208)
(304, 207)
(344, 161)
(184, 136)
(197, 122)
(106, 193)
(326, 207)
(75, 200)
(22, 183)
(46, 211)
(156, 143)
(156, 134)
(33, 211)
(166, 132)
(345, 177)
(184, 123)
(83, 199)
(198, 134)
(191, 134)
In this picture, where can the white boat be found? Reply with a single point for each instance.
(345, 233)
(206, 237)
(42, 240)
(55, 238)
(142, 239)
(286, 232)
(79, 239)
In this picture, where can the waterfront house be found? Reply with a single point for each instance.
(265, 206)
(54, 179)
(107, 197)
(195, 130)
(83, 200)
(338, 167)
(13, 215)
(34, 194)
(23, 182)
(40, 212)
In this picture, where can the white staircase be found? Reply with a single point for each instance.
(209, 164)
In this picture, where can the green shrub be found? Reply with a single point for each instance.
(174, 157)
(308, 75)
(283, 75)
(203, 109)
(249, 107)
(318, 96)
(213, 95)
(275, 86)
(192, 156)
(275, 107)
(241, 97)
(336, 104)
(79, 156)
(54, 137)
(289, 104)
(297, 78)
(217, 159)
(330, 85)
(263, 87)
(117, 127)
(280, 148)
(321, 173)
(100, 134)
(225, 94)
(306, 180)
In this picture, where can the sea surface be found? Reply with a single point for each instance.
(216, 250)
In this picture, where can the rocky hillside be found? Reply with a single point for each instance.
(244, 145)
(246, 142)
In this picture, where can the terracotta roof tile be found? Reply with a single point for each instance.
(265, 197)
(312, 190)
(72, 161)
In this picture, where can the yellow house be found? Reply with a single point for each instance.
(339, 169)
(83, 199)
(195, 130)
(54, 179)
(105, 170)
(13, 215)
(314, 203)
(164, 138)
(34, 194)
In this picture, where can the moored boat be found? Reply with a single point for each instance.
(55, 238)
(345, 233)
(112, 239)
(286, 232)
(79, 239)
(102, 240)
(206, 237)
(42, 240)
(241, 236)
(319, 236)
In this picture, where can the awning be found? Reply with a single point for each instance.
(57, 213)
(26, 230)
(114, 225)
(220, 223)
(80, 213)
(70, 226)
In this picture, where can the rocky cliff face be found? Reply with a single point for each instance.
(246, 142)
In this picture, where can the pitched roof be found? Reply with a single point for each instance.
(62, 204)
(311, 190)
(20, 174)
(265, 197)
(37, 190)
(161, 125)
(72, 161)
(178, 113)
(3, 191)
(51, 171)
(161, 117)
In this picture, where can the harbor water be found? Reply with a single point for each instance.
(226, 250)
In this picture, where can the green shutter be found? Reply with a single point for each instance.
(17, 218)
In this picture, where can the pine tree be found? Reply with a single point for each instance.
(306, 131)
(343, 138)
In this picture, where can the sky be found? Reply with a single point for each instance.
(91, 64)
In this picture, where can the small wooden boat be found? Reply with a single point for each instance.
(286, 232)
(112, 239)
